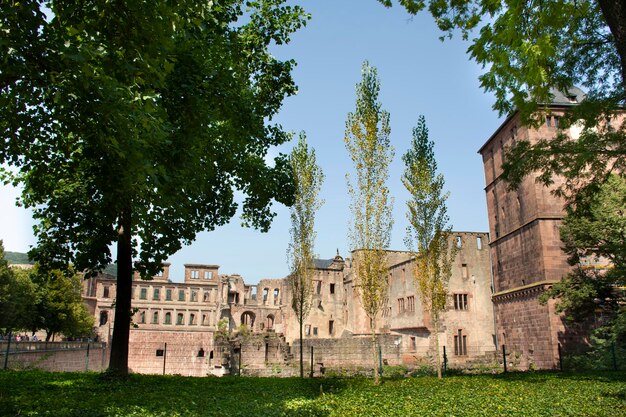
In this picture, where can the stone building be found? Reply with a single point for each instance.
(525, 246)
(177, 325)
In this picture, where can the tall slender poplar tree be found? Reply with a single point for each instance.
(428, 234)
(308, 178)
(367, 141)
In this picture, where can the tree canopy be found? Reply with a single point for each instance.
(133, 124)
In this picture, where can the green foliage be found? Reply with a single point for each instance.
(528, 47)
(18, 296)
(134, 125)
(428, 234)
(60, 308)
(222, 331)
(367, 142)
(308, 178)
(36, 393)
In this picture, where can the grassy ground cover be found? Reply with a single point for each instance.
(33, 393)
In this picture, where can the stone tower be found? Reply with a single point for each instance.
(525, 245)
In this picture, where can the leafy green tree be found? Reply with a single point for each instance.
(308, 178)
(367, 142)
(594, 234)
(429, 233)
(131, 124)
(531, 47)
(59, 307)
(17, 297)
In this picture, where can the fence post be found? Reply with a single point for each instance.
(87, 360)
(445, 360)
(164, 357)
(311, 361)
(560, 358)
(504, 357)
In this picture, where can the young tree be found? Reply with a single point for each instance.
(132, 125)
(428, 234)
(367, 142)
(60, 307)
(308, 179)
(17, 297)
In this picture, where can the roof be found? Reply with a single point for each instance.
(571, 97)
(323, 263)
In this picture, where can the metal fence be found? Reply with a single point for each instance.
(54, 356)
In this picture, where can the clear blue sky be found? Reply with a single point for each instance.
(419, 75)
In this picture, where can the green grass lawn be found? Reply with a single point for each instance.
(33, 393)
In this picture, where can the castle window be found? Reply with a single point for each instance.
(479, 242)
(208, 274)
(331, 327)
(464, 272)
(307, 330)
(181, 295)
(168, 295)
(192, 319)
(460, 301)
(143, 294)
(201, 353)
(548, 121)
(142, 317)
(253, 293)
(157, 294)
(168, 318)
(205, 297)
(159, 352)
(159, 274)
(194, 295)
(332, 288)
(556, 121)
(459, 242)
(318, 287)
(204, 320)
(460, 344)
(194, 275)
(400, 305)
(105, 292)
(314, 331)
(155, 318)
(265, 293)
(410, 300)
(104, 317)
(413, 344)
(276, 292)
(179, 319)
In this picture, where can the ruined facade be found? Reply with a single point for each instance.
(177, 324)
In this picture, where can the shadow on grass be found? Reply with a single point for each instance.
(71, 395)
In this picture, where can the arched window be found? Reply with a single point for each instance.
(269, 322)
(168, 318)
(247, 318)
(155, 317)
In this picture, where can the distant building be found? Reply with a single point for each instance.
(176, 323)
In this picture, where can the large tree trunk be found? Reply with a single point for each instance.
(614, 12)
(118, 362)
